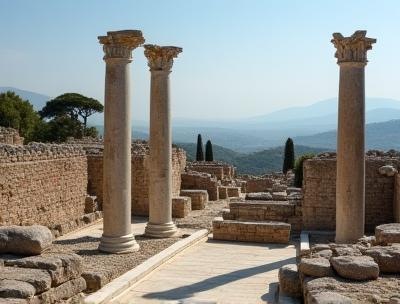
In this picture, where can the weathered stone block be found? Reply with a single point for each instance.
(356, 267)
(25, 240)
(38, 278)
(289, 281)
(199, 198)
(388, 233)
(181, 206)
(16, 289)
(64, 291)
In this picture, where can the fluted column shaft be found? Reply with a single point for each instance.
(117, 229)
(160, 169)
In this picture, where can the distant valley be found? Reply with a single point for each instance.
(312, 126)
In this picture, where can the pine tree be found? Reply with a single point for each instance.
(288, 161)
(209, 151)
(199, 152)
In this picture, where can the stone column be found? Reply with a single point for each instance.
(351, 56)
(160, 60)
(117, 230)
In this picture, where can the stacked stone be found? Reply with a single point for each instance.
(42, 184)
(192, 180)
(10, 136)
(37, 152)
(42, 278)
(334, 271)
(319, 188)
(140, 176)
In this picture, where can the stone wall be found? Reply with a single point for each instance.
(319, 187)
(219, 169)
(42, 184)
(193, 180)
(259, 184)
(10, 136)
(396, 202)
(140, 179)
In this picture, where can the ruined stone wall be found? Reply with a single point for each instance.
(396, 202)
(42, 184)
(319, 187)
(140, 178)
(220, 169)
(193, 180)
(10, 136)
(259, 184)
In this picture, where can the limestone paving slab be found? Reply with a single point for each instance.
(215, 272)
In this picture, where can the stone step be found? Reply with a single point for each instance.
(250, 231)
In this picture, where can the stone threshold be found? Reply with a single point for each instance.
(122, 283)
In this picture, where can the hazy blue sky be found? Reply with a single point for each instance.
(240, 58)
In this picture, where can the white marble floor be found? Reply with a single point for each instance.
(215, 272)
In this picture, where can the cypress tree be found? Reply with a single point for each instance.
(199, 151)
(288, 161)
(209, 151)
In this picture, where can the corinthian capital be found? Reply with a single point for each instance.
(119, 44)
(352, 49)
(161, 58)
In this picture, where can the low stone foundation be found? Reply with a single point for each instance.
(222, 192)
(192, 180)
(181, 206)
(199, 198)
(233, 191)
(260, 232)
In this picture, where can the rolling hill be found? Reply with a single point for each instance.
(256, 163)
(37, 100)
(382, 136)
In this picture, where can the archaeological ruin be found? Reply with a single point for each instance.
(88, 220)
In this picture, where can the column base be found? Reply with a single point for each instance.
(160, 230)
(119, 244)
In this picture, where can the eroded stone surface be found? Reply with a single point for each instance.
(356, 267)
(315, 267)
(25, 240)
(260, 196)
(289, 281)
(39, 278)
(64, 291)
(345, 251)
(328, 297)
(61, 266)
(388, 233)
(387, 257)
(16, 289)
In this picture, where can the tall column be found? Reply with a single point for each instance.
(117, 230)
(351, 56)
(160, 60)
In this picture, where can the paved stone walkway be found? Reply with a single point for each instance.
(215, 272)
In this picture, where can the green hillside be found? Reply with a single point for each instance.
(256, 163)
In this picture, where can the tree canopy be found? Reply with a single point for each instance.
(209, 151)
(199, 151)
(18, 114)
(72, 105)
(288, 161)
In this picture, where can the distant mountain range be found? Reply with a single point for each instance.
(311, 125)
(37, 100)
(266, 161)
(381, 136)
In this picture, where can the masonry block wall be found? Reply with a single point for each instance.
(42, 184)
(319, 188)
(10, 136)
(140, 178)
(193, 180)
(219, 169)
